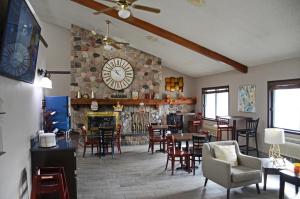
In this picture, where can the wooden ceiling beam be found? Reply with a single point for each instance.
(166, 34)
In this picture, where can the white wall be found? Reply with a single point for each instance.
(22, 104)
(259, 75)
(58, 57)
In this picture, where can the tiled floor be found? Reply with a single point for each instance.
(138, 174)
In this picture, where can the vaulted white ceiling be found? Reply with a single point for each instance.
(251, 32)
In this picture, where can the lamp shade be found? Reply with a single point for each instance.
(46, 82)
(274, 136)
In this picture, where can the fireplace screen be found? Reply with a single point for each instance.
(102, 119)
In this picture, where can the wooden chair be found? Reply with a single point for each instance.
(223, 126)
(89, 140)
(249, 131)
(174, 153)
(195, 124)
(196, 150)
(153, 139)
(49, 180)
(107, 140)
(118, 137)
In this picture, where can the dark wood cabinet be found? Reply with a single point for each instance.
(64, 154)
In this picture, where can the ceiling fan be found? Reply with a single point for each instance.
(123, 7)
(109, 43)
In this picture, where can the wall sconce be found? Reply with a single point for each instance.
(45, 82)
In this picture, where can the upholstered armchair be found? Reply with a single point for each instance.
(247, 171)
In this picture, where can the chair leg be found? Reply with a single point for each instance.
(257, 188)
(237, 137)
(257, 152)
(112, 150)
(84, 148)
(227, 134)
(228, 193)
(149, 146)
(205, 183)
(119, 147)
(152, 147)
(92, 149)
(167, 162)
(193, 163)
(247, 143)
(173, 164)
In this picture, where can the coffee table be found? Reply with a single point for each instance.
(290, 177)
(270, 169)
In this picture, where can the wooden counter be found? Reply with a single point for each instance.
(63, 155)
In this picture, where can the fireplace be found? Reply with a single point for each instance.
(94, 120)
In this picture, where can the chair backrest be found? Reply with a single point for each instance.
(252, 124)
(118, 129)
(222, 121)
(170, 144)
(198, 142)
(209, 147)
(107, 134)
(151, 132)
(198, 116)
(84, 133)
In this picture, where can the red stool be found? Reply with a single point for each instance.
(49, 180)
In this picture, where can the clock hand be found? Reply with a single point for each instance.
(116, 71)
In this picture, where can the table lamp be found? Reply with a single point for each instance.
(275, 137)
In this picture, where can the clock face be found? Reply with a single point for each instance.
(16, 59)
(117, 74)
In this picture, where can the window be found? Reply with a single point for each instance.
(215, 101)
(284, 105)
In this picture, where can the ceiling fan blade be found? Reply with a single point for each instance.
(146, 8)
(115, 46)
(105, 10)
(131, 1)
(123, 43)
(112, 1)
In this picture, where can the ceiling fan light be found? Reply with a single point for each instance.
(108, 47)
(124, 13)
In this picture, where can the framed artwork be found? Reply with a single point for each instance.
(20, 43)
(246, 98)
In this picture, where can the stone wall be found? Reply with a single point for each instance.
(87, 60)
(88, 57)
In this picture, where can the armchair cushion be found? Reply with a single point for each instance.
(226, 153)
(243, 174)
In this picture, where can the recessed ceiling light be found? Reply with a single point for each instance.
(151, 38)
(196, 2)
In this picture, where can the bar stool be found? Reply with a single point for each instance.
(223, 125)
(249, 131)
(49, 180)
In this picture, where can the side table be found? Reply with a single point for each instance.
(270, 169)
(290, 177)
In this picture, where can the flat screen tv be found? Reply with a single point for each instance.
(20, 36)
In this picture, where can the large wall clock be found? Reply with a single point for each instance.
(117, 73)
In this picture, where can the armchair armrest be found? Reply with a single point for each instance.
(250, 161)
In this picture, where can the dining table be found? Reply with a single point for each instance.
(234, 120)
(186, 137)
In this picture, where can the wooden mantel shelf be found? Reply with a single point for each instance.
(132, 102)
